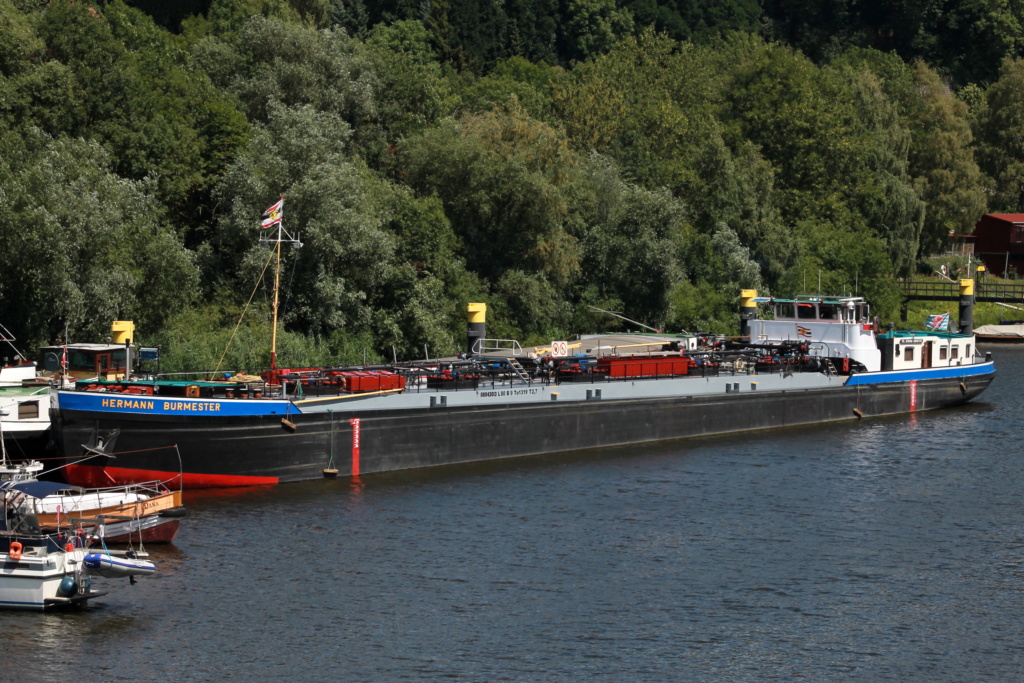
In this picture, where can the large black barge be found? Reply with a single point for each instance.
(818, 360)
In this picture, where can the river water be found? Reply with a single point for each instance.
(886, 549)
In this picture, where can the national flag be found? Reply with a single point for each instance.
(273, 215)
(803, 331)
(64, 360)
(939, 321)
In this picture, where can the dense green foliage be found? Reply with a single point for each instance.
(548, 158)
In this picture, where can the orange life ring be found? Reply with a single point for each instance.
(14, 552)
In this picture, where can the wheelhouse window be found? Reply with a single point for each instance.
(828, 312)
(806, 312)
(784, 311)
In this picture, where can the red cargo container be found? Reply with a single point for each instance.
(644, 366)
(372, 380)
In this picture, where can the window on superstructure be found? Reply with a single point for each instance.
(943, 352)
(29, 410)
(784, 310)
(908, 353)
(967, 351)
(955, 352)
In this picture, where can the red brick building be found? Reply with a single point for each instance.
(999, 242)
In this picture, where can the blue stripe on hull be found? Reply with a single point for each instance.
(159, 405)
(955, 372)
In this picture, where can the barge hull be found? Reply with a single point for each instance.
(260, 449)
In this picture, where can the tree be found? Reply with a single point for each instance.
(373, 253)
(1000, 131)
(591, 27)
(940, 157)
(411, 92)
(82, 247)
(499, 176)
(633, 242)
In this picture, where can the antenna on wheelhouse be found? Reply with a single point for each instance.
(274, 233)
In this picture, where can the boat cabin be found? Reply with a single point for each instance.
(837, 328)
(86, 361)
(906, 350)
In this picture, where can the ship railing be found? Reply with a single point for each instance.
(483, 347)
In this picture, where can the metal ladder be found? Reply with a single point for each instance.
(520, 370)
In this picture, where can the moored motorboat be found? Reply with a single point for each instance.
(38, 570)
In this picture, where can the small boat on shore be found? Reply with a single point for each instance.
(1011, 332)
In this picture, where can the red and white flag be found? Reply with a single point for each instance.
(273, 215)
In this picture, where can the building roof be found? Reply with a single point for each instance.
(1008, 217)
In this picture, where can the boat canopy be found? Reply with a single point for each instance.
(38, 489)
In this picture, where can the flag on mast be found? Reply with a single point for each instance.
(273, 215)
(939, 321)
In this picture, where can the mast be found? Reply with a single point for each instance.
(277, 289)
(273, 219)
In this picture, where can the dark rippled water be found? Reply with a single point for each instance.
(887, 549)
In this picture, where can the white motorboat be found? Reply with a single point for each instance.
(37, 573)
(37, 570)
(45, 570)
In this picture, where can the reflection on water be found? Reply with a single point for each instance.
(881, 549)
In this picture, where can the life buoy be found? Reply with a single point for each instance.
(192, 391)
(14, 552)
